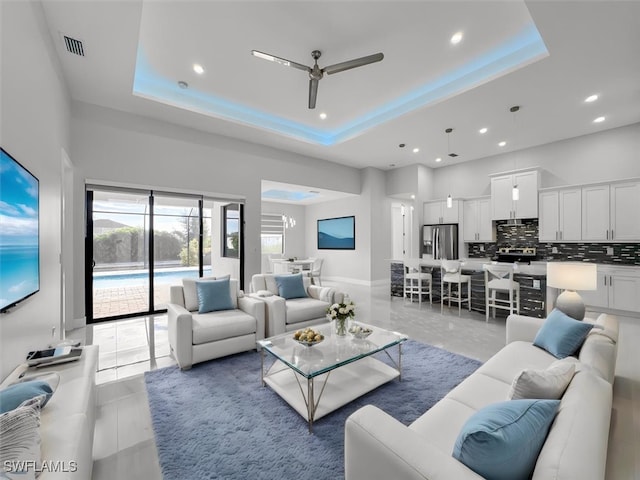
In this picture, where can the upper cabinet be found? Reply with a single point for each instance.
(477, 225)
(610, 212)
(438, 212)
(560, 215)
(503, 206)
(592, 213)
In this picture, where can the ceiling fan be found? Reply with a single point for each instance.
(316, 73)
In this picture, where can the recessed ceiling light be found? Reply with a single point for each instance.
(457, 38)
(438, 159)
(502, 144)
(591, 98)
(416, 150)
(598, 120)
(183, 84)
(483, 130)
(199, 69)
(413, 197)
(323, 116)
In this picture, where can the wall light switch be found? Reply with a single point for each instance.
(554, 249)
(609, 250)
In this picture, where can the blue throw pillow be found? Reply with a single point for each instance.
(561, 335)
(503, 440)
(291, 286)
(214, 295)
(11, 397)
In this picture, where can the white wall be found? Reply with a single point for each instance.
(608, 155)
(369, 262)
(34, 129)
(295, 237)
(111, 146)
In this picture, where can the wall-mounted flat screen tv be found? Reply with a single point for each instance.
(19, 232)
(337, 233)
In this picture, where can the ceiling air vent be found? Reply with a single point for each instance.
(453, 155)
(74, 46)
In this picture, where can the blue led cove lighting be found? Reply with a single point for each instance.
(522, 49)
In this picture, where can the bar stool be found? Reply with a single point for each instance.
(451, 274)
(416, 282)
(499, 279)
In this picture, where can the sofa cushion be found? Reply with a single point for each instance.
(513, 358)
(544, 384)
(447, 418)
(291, 286)
(214, 295)
(576, 446)
(191, 293)
(502, 441)
(303, 309)
(20, 434)
(214, 326)
(561, 335)
(480, 390)
(12, 396)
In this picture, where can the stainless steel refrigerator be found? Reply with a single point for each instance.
(440, 241)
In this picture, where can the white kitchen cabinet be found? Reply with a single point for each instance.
(624, 217)
(595, 213)
(618, 289)
(560, 215)
(503, 207)
(438, 212)
(610, 212)
(477, 225)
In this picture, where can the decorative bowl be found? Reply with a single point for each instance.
(303, 337)
(360, 332)
(309, 344)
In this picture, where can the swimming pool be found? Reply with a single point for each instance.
(137, 277)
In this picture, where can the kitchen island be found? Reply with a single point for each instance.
(532, 279)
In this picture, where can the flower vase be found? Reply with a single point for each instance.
(341, 327)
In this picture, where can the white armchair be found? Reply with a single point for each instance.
(197, 337)
(295, 313)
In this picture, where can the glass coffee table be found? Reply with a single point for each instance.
(316, 380)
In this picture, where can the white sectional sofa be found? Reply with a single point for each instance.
(378, 446)
(67, 421)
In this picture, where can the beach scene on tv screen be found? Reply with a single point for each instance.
(336, 233)
(18, 232)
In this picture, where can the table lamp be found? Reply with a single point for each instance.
(572, 276)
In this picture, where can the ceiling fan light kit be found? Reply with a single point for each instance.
(316, 73)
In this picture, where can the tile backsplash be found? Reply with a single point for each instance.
(526, 235)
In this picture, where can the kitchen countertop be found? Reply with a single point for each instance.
(475, 264)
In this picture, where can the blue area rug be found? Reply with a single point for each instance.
(217, 421)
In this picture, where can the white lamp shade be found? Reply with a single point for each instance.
(572, 275)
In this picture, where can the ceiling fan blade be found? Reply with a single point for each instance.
(281, 61)
(313, 92)
(356, 62)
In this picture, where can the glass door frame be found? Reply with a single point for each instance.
(149, 239)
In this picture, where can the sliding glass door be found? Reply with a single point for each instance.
(139, 243)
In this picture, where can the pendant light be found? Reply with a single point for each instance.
(452, 155)
(515, 192)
